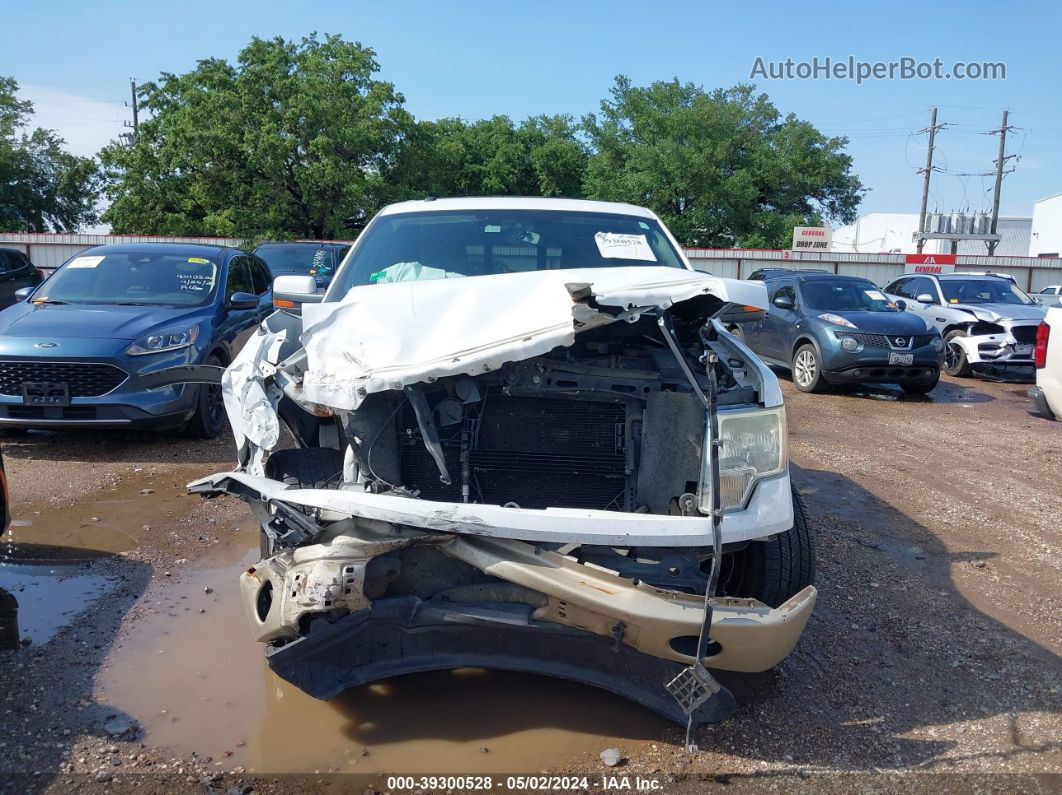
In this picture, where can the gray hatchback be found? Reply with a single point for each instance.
(829, 329)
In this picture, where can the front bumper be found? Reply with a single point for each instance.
(1004, 349)
(558, 617)
(129, 404)
(1040, 404)
(871, 365)
(884, 374)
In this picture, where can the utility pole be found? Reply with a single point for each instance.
(1000, 160)
(933, 127)
(136, 119)
(130, 138)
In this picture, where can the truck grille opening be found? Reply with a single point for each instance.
(86, 379)
(532, 451)
(1025, 335)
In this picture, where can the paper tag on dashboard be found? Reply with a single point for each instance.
(85, 262)
(613, 245)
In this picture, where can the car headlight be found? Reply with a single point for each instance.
(851, 344)
(752, 446)
(837, 320)
(938, 344)
(164, 341)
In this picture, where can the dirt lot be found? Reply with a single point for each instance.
(932, 661)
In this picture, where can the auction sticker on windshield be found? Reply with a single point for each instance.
(85, 262)
(615, 245)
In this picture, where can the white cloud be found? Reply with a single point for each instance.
(86, 124)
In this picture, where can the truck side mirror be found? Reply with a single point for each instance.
(925, 298)
(290, 292)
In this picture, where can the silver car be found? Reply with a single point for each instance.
(984, 319)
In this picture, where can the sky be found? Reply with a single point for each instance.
(473, 59)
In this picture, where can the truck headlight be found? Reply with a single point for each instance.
(938, 344)
(851, 344)
(752, 446)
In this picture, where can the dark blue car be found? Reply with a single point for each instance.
(76, 350)
(828, 329)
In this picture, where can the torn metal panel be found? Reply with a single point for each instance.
(385, 336)
(250, 401)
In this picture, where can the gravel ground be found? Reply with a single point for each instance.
(931, 662)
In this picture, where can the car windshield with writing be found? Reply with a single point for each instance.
(983, 291)
(826, 295)
(453, 244)
(301, 259)
(133, 278)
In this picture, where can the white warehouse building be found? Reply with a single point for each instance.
(894, 233)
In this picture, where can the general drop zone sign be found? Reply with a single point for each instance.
(812, 238)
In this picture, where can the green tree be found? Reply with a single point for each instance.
(290, 141)
(721, 168)
(42, 186)
(541, 156)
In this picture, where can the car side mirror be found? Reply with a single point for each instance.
(901, 304)
(290, 291)
(925, 298)
(783, 302)
(243, 301)
(23, 293)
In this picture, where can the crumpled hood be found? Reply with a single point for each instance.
(994, 313)
(385, 336)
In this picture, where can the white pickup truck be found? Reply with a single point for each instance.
(1047, 356)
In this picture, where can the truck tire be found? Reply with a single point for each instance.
(302, 468)
(955, 363)
(773, 571)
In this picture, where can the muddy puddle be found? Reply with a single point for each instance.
(113, 520)
(42, 600)
(189, 673)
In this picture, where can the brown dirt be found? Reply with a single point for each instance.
(932, 660)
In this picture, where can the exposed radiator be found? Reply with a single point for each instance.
(536, 452)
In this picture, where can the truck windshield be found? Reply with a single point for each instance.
(826, 295)
(452, 244)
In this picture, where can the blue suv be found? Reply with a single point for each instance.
(82, 348)
(829, 329)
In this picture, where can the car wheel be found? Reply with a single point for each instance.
(209, 418)
(807, 373)
(773, 571)
(303, 468)
(955, 363)
(921, 389)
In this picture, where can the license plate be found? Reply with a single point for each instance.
(45, 393)
(901, 358)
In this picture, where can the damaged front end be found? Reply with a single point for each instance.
(573, 473)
